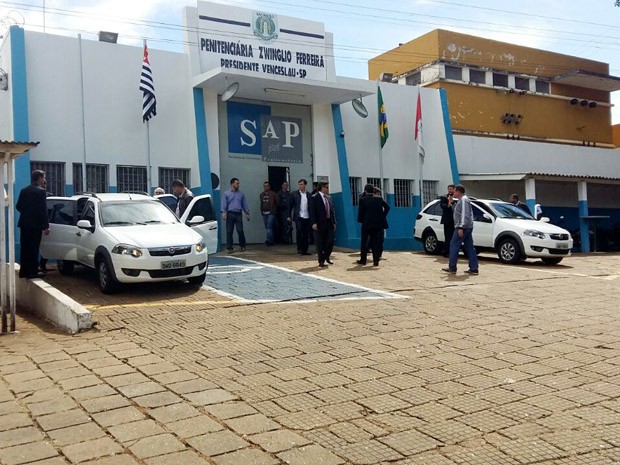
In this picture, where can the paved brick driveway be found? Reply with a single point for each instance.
(518, 365)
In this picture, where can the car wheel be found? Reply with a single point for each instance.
(107, 282)
(551, 260)
(65, 267)
(431, 244)
(509, 251)
(197, 280)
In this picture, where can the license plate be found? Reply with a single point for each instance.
(561, 246)
(172, 264)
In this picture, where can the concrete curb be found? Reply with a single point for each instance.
(45, 301)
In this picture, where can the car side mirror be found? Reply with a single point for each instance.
(196, 220)
(85, 224)
(545, 219)
(487, 218)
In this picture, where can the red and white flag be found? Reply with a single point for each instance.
(418, 126)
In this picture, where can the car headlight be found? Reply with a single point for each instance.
(200, 247)
(124, 249)
(534, 233)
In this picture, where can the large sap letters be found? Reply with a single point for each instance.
(252, 130)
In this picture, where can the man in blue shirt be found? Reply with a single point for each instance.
(232, 207)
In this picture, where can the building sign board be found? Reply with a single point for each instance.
(261, 43)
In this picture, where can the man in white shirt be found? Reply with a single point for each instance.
(300, 214)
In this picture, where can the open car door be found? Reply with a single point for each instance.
(201, 206)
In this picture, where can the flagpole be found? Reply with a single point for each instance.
(420, 157)
(148, 153)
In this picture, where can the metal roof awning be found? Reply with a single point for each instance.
(284, 90)
(538, 176)
(589, 80)
(16, 147)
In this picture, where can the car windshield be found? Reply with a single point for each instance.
(507, 210)
(135, 212)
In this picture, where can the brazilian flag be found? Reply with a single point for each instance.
(383, 127)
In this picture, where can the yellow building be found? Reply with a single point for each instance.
(499, 89)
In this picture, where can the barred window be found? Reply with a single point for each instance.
(500, 80)
(414, 79)
(522, 83)
(131, 179)
(54, 174)
(477, 76)
(429, 191)
(454, 72)
(375, 182)
(542, 86)
(402, 192)
(355, 185)
(97, 178)
(167, 175)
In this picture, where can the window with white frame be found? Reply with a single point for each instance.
(402, 192)
(54, 174)
(97, 178)
(167, 175)
(500, 80)
(542, 86)
(522, 83)
(355, 184)
(477, 76)
(131, 179)
(454, 72)
(375, 182)
(429, 191)
(414, 79)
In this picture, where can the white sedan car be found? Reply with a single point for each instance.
(502, 228)
(126, 238)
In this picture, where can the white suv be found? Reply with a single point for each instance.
(126, 238)
(499, 227)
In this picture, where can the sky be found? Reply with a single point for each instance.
(362, 28)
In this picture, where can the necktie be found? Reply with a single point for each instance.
(326, 206)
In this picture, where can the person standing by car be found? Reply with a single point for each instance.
(446, 202)
(284, 206)
(514, 199)
(33, 221)
(184, 195)
(159, 191)
(232, 206)
(268, 207)
(463, 229)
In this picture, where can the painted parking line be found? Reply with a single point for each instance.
(248, 281)
(160, 304)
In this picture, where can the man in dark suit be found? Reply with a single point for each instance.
(386, 210)
(370, 215)
(299, 213)
(514, 199)
(323, 220)
(33, 220)
(446, 202)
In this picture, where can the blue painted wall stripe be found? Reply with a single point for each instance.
(202, 142)
(584, 226)
(346, 229)
(21, 127)
(449, 139)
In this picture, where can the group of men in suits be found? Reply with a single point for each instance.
(372, 214)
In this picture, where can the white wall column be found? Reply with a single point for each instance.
(530, 194)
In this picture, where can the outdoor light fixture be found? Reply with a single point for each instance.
(230, 91)
(592, 104)
(511, 118)
(574, 101)
(105, 36)
(584, 103)
(4, 80)
(359, 107)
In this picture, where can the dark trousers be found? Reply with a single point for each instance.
(30, 240)
(370, 239)
(302, 231)
(468, 241)
(448, 231)
(284, 230)
(324, 241)
(234, 219)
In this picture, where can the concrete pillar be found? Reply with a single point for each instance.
(530, 194)
(584, 226)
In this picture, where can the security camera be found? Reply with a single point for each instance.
(342, 134)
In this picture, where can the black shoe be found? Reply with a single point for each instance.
(305, 253)
(322, 265)
(448, 270)
(375, 264)
(230, 250)
(474, 272)
(243, 248)
(359, 262)
(330, 262)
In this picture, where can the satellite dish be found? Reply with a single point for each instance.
(230, 91)
(359, 107)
